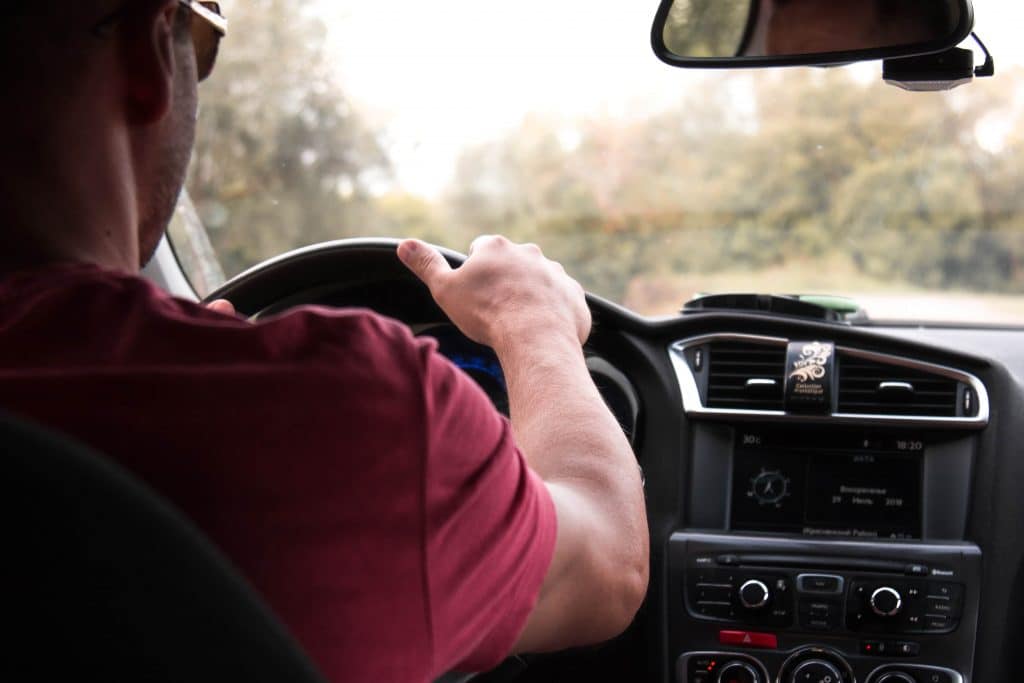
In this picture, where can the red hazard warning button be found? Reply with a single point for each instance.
(748, 639)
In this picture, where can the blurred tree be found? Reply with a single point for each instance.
(823, 168)
(707, 28)
(816, 171)
(282, 159)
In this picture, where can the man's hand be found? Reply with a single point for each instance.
(222, 306)
(536, 319)
(503, 292)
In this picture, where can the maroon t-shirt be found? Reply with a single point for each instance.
(362, 483)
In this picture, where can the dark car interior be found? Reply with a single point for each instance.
(871, 537)
(831, 499)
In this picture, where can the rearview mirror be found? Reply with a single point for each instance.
(744, 33)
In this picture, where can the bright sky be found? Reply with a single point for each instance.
(446, 73)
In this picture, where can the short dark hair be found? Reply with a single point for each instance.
(15, 11)
(20, 15)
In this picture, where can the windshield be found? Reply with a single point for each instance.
(554, 123)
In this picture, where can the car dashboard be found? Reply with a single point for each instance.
(863, 532)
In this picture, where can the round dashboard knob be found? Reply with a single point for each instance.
(754, 594)
(738, 672)
(816, 671)
(886, 602)
(895, 677)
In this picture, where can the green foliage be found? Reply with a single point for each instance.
(822, 168)
(806, 170)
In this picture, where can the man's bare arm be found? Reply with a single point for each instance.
(535, 317)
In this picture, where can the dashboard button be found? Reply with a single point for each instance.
(702, 664)
(906, 648)
(816, 671)
(738, 672)
(953, 591)
(754, 594)
(820, 615)
(716, 610)
(940, 606)
(873, 648)
(819, 583)
(935, 623)
(748, 639)
(930, 675)
(895, 677)
(712, 592)
(886, 601)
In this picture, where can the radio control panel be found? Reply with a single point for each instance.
(879, 611)
(824, 602)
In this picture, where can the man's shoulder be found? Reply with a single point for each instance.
(123, 319)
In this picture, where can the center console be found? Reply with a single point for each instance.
(824, 546)
(803, 611)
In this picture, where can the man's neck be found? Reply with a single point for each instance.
(82, 211)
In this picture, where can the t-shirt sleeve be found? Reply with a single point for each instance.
(490, 524)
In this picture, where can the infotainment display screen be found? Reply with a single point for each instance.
(874, 492)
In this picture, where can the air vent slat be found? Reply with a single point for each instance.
(731, 366)
(861, 393)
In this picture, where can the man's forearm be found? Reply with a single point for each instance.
(557, 413)
(570, 438)
(563, 427)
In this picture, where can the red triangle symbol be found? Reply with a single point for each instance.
(746, 638)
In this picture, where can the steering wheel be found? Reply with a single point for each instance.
(343, 273)
(334, 272)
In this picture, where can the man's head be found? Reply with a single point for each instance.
(101, 107)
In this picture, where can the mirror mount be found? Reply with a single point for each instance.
(940, 71)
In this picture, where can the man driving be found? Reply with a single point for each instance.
(397, 524)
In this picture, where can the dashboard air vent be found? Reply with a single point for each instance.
(745, 376)
(871, 387)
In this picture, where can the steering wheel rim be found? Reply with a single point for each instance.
(280, 282)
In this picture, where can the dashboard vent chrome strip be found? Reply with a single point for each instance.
(694, 404)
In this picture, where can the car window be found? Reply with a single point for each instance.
(555, 123)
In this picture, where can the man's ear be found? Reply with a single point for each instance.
(148, 60)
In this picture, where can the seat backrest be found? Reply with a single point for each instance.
(102, 580)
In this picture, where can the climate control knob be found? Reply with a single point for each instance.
(754, 594)
(816, 671)
(886, 602)
(738, 672)
(896, 677)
